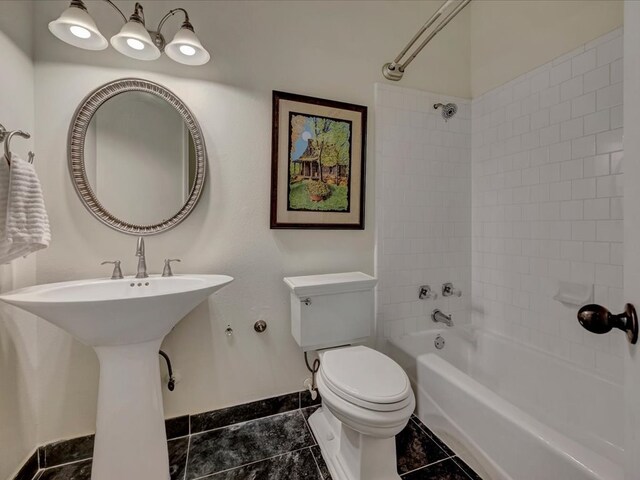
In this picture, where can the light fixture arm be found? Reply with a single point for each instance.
(185, 24)
(138, 14)
(124, 17)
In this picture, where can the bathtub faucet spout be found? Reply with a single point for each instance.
(439, 317)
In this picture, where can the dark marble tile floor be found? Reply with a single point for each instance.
(29, 469)
(275, 447)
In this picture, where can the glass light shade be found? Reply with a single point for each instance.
(185, 48)
(76, 27)
(134, 41)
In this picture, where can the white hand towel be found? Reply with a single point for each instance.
(24, 224)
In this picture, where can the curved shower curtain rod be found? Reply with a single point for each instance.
(394, 70)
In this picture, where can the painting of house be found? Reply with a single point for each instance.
(319, 163)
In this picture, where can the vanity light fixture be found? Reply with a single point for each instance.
(76, 27)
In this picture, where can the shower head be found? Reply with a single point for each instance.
(448, 110)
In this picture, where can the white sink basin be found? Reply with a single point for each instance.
(125, 322)
(117, 312)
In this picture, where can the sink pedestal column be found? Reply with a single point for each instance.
(131, 442)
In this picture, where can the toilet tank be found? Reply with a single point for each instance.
(332, 309)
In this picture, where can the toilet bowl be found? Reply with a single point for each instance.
(366, 401)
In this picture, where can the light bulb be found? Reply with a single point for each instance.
(79, 31)
(187, 50)
(135, 44)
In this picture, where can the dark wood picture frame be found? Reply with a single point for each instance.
(276, 161)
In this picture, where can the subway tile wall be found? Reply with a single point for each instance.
(547, 166)
(423, 207)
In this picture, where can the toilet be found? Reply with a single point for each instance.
(366, 396)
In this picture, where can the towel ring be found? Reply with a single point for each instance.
(6, 137)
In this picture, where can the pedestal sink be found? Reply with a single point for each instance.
(124, 321)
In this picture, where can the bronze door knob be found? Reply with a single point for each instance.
(597, 319)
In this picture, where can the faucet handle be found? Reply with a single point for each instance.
(166, 271)
(117, 271)
(448, 290)
(425, 292)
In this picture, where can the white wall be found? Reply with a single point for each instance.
(423, 208)
(18, 330)
(547, 202)
(510, 38)
(329, 49)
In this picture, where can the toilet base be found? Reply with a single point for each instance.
(350, 455)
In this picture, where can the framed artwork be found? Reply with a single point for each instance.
(318, 163)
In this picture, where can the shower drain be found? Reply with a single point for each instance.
(439, 342)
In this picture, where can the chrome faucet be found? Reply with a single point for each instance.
(439, 317)
(142, 261)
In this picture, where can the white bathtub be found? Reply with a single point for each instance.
(513, 412)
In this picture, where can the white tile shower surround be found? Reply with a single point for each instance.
(546, 188)
(547, 167)
(423, 207)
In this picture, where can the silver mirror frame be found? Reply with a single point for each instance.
(78, 130)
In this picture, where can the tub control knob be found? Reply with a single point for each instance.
(260, 326)
(597, 319)
(425, 292)
(448, 290)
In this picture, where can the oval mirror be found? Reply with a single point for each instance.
(137, 157)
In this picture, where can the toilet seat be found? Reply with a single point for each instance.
(366, 378)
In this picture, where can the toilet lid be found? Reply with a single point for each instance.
(366, 377)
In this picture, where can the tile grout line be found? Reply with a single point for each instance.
(317, 465)
(191, 415)
(186, 460)
(430, 465)
(91, 458)
(464, 470)
(452, 457)
(245, 421)
(306, 422)
(67, 463)
(251, 463)
(434, 440)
